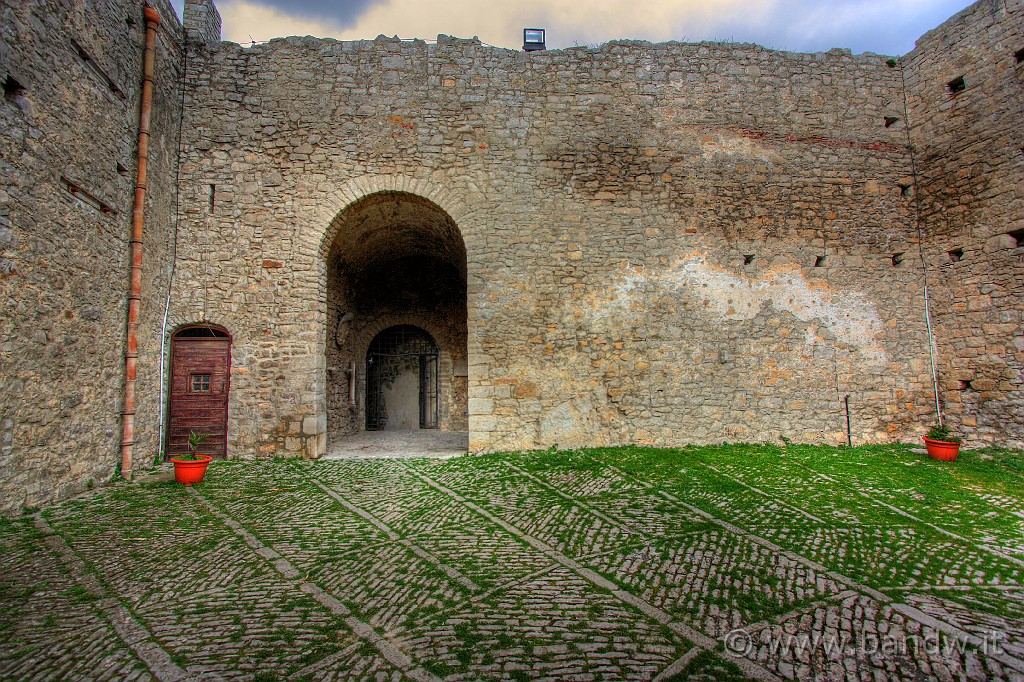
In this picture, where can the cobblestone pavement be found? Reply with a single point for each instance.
(730, 563)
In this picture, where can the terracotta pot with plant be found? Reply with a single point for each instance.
(941, 444)
(190, 468)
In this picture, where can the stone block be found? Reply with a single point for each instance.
(1000, 242)
(481, 406)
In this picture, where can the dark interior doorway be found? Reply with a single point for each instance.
(200, 383)
(402, 383)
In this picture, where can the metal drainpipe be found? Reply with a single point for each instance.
(131, 356)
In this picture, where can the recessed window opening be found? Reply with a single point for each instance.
(965, 385)
(1018, 56)
(956, 86)
(13, 89)
(1018, 235)
(897, 259)
(820, 261)
(890, 120)
(213, 197)
(91, 64)
(955, 255)
(85, 197)
(748, 259)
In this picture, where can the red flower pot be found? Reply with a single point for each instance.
(941, 450)
(189, 471)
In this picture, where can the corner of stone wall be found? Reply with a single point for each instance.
(201, 21)
(302, 436)
(967, 141)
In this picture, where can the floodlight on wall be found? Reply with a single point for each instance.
(533, 39)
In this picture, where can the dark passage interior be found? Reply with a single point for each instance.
(396, 305)
(402, 381)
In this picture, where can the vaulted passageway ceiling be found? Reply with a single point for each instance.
(390, 227)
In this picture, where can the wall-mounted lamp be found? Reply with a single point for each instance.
(533, 39)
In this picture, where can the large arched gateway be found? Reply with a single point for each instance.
(396, 282)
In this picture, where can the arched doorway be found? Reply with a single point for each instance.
(396, 302)
(402, 380)
(200, 383)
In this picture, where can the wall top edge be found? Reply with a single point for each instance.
(445, 43)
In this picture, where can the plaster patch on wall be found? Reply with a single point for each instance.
(722, 143)
(570, 424)
(850, 316)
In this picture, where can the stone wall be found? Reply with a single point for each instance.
(659, 244)
(68, 137)
(969, 149)
(673, 243)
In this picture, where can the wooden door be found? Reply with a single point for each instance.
(200, 381)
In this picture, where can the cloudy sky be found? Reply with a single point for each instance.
(883, 26)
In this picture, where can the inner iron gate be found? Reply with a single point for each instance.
(396, 352)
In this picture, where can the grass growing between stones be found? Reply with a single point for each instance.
(583, 563)
(869, 504)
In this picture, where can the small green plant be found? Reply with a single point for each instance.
(942, 432)
(194, 441)
(891, 63)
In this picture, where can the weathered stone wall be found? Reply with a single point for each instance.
(609, 199)
(970, 158)
(674, 243)
(202, 21)
(73, 74)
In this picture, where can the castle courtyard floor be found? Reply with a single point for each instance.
(711, 563)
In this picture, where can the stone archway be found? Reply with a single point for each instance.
(395, 259)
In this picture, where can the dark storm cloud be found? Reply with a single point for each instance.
(342, 13)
